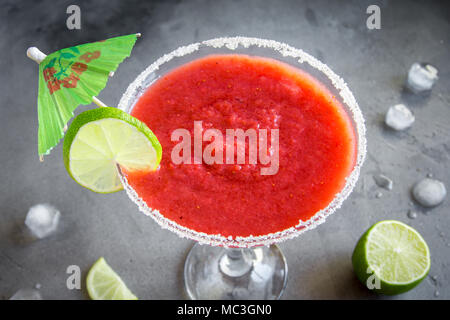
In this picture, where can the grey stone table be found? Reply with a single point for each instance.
(150, 260)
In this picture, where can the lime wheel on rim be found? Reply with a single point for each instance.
(99, 140)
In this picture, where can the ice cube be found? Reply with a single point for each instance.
(429, 192)
(412, 214)
(27, 294)
(399, 117)
(42, 219)
(421, 77)
(383, 182)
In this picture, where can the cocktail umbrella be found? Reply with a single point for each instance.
(70, 77)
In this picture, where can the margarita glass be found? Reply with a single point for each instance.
(245, 267)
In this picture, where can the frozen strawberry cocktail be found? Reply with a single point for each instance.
(306, 165)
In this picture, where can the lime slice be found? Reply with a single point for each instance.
(100, 139)
(393, 253)
(104, 284)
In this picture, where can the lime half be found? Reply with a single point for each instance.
(100, 139)
(391, 258)
(104, 284)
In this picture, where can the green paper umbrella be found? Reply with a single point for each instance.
(70, 77)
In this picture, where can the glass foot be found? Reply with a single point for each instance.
(232, 274)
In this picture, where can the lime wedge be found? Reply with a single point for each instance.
(104, 284)
(393, 253)
(100, 139)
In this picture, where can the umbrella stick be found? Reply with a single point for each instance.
(37, 55)
(98, 102)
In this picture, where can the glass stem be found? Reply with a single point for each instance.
(235, 262)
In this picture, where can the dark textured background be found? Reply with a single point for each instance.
(150, 260)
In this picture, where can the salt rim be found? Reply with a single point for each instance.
(285, 50)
